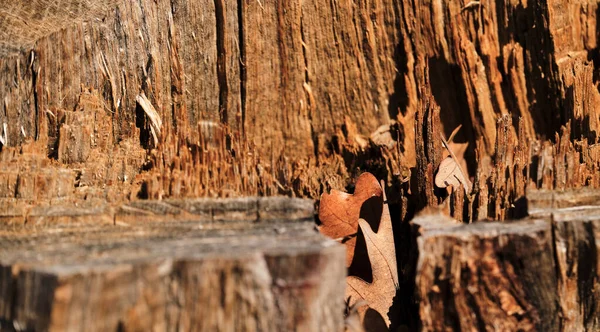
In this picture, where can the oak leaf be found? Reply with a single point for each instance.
(459, 150)
(380, 293)
(339, 211)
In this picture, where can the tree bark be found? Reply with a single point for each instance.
(263, 98)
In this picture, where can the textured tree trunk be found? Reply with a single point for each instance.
(280, 90)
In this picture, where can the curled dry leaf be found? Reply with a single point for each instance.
(450, 174)
(339, 212)
(383, 136)
(382, 254)
(459, 150)
(451, 169)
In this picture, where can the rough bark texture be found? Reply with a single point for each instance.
(261, 98)
(255, 95)
(220, 267)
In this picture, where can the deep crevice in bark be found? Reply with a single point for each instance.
(222, 60)
(34, 75)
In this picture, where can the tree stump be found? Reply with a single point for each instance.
(214, 268)
(486, 276)
(576, 224)
(541, 273)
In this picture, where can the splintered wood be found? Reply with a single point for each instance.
(76, 159)
(121, 112)
(501, 180)
(191, 107)
(23, 23)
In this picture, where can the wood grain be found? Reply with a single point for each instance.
(486, 276)
(281, 90)
(193, 273)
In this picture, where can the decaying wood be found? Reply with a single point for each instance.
(253, 96)
(577, 236)
(23, 23)
(576, 218)
(261, 98)
(266, 273)
(538, 274)
(486, 276)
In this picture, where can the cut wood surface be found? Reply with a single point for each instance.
(545, 202)
(253, 209)
(257, 272)
(541, 273)
(486, 276)
(576, 218)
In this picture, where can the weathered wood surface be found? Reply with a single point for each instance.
(255, 99)
(289, 97)
(24, 22)
(301, 88)
(576, 220)
(247, 64)
(251, 272)
(577, 245)
(541, 273)
(486, 276)
(545, 202)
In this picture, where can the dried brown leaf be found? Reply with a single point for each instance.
(382, 254)
(454, 132)
(339, 212)
(382, 136)
(450, 174)
(451, 171)
(459, 150)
